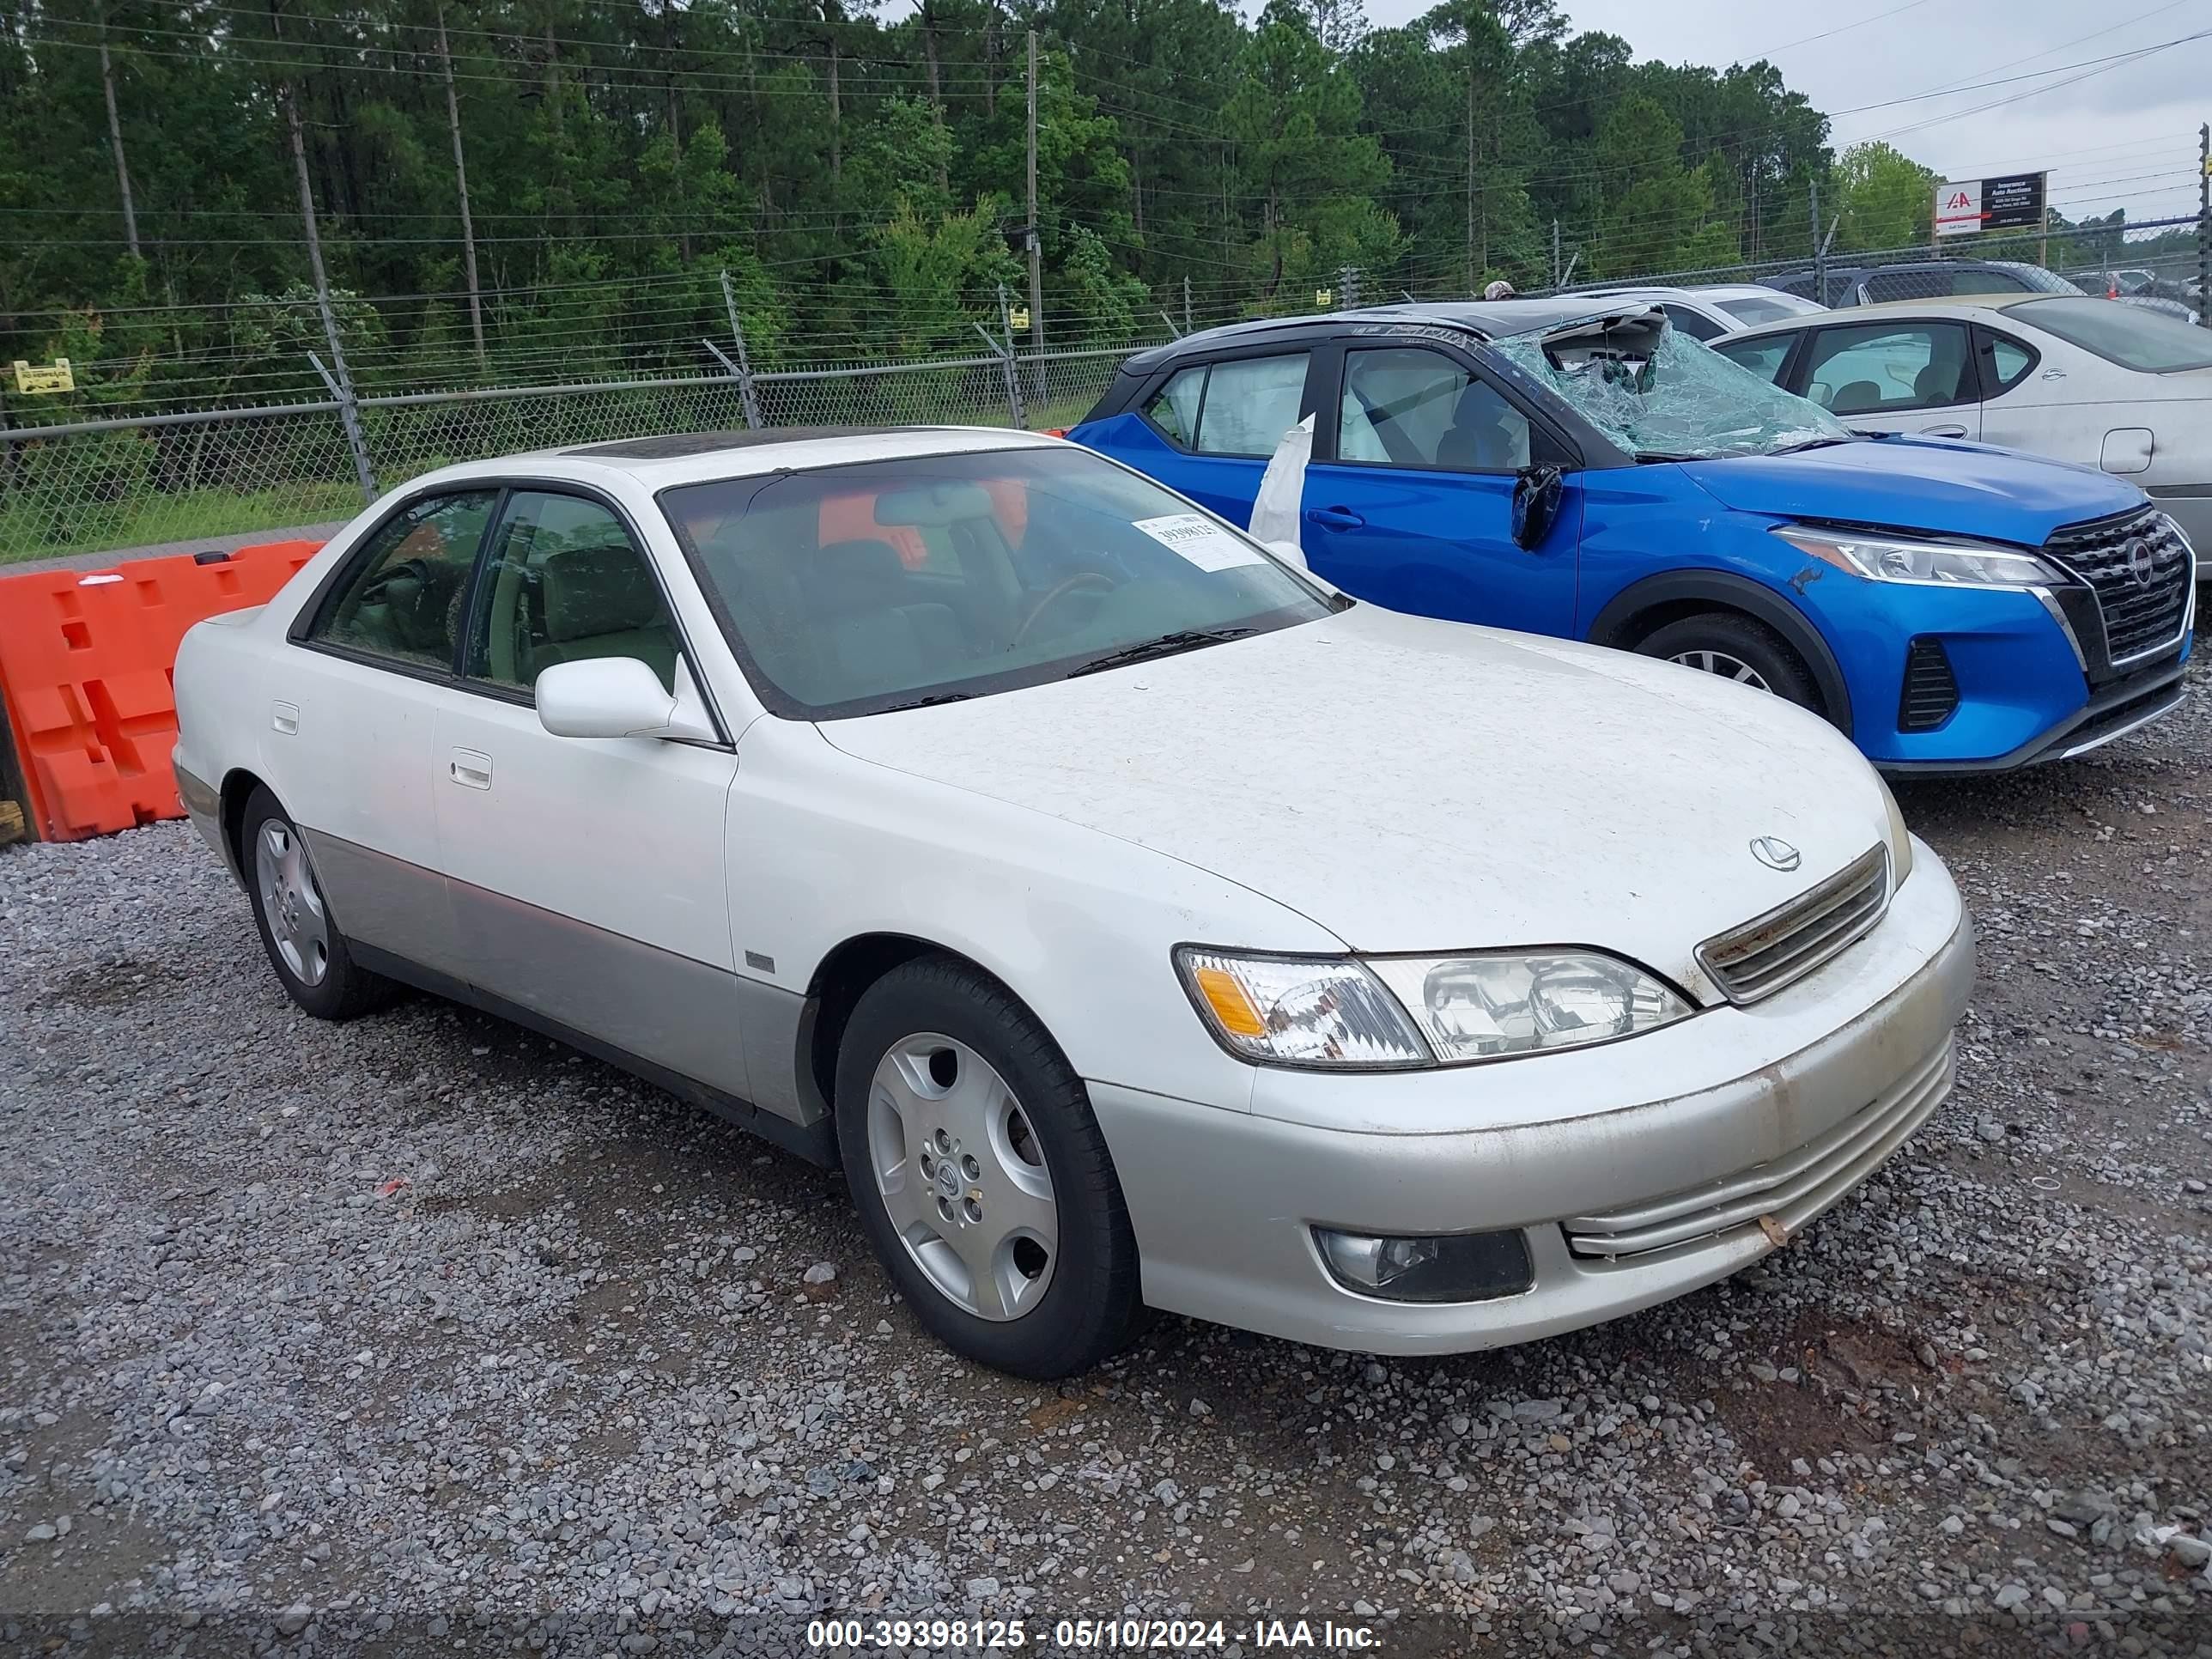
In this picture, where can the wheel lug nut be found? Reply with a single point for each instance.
(974, 1211)
(943, 1141)
(974, 1171)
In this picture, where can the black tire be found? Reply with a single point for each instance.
(344, 989)
(1730, 634)
(1091, 1307)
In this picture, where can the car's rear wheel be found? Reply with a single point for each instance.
(305, 946)
(981, 1176)
(1736, 647)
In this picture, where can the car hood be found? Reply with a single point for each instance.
(1413, 785)
(1905, 483)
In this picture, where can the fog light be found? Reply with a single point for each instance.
(1447, 1268)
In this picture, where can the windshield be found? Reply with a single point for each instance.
(855, 590)
(1673, 400)
(2133, 337)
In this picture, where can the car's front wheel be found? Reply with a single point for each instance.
(305, 946)
(981, 1176)
(1739, 648)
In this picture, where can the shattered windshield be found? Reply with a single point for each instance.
(1667, 398)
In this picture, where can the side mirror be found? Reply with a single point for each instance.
(1536, 492)
(610, 697)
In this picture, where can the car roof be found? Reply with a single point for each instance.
(1650, 291)
(1959, 307)
(700, 457)
(1486, 318)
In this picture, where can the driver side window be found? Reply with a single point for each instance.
(564, 583)
(404, 598)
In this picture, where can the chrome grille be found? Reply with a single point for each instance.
(1789, 941)
(1792, 1189)
(2141, 616)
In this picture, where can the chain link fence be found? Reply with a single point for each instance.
(107, 486)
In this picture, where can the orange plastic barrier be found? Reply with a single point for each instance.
(86, 658)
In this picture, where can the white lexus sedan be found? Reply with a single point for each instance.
(2110, 385)
(1137, 922)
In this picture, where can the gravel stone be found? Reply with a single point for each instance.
(517, 1345)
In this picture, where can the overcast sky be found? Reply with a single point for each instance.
(2122, 135)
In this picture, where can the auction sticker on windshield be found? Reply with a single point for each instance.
(1201, 540)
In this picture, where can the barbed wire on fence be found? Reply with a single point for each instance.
(112, 483)
(95, 478)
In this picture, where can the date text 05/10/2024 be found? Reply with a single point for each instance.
(1093, 1635)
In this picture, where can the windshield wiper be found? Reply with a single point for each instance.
(1811, 443)
(1184, 639)
(928, 702)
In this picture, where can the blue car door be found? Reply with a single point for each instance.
(1409, 496)
(1211, 429)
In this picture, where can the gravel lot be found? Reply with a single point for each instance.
(425, 1333)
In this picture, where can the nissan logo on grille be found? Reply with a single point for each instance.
(1775, 853)
(2139, 562)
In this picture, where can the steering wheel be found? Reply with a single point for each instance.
(1080, 579)
(378, 590)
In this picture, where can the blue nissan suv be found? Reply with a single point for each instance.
(1530, 465)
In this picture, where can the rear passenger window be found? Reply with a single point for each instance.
(403, 600)
(1174, 407)
(564, 584)
(1241, 407)
(1988, 282)
(2010, 362)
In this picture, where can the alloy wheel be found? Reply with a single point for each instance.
(961, 1176)
(1721, 663)
(292, 902)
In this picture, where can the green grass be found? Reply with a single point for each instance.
(35, 530)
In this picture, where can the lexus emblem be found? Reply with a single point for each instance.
(1775, 853)
(2139, 562)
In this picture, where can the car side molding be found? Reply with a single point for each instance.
(815, 1142)
(1724, 589)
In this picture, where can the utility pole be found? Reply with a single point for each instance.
(1036, 249)
(1186, 305)
(115, 138)
(1820, 262)
(461, 186)
(2204, 224)
(1555, 254)
(341, 380)
(1470, 163)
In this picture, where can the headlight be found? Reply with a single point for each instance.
(1336, 1012)
(1901, 838)
(1909, 559)
(1299, 1011)
(1514, 1002)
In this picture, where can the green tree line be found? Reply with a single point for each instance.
(859, 179)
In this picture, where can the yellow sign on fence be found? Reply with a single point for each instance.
(1018, 319)
(1324, 298)
(33, 379)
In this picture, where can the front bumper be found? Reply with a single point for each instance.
(1637, 1171)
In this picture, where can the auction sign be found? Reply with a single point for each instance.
(2014, 202)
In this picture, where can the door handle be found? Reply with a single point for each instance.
(1944, 431)
(1336, 517)
(284, 717)
(471, 769)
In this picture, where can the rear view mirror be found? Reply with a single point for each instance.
(1536, 493)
